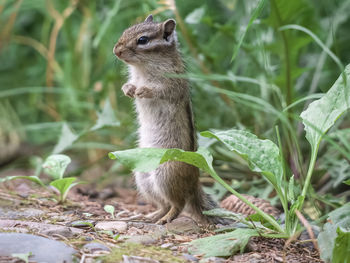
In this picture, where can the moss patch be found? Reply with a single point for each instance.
(130, 249)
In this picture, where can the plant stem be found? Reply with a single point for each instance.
(241, 197)
(307, 181)
(309, 174)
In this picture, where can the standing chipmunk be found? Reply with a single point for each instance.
(165, 118)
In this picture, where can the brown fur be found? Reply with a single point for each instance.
(165, 118)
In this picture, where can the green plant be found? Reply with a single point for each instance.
(109, 209)
(55, 165)
(63, 186)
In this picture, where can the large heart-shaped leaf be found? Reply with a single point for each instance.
(322, 114)
(148, 159)
(139, 159)
(262, 155)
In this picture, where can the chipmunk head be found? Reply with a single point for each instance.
(147, 42)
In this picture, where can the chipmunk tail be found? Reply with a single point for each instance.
(203, 202)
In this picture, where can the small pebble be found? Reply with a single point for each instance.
(92, 247)
(190, 257)
(166, 245)
(173, 248)
(118, 226)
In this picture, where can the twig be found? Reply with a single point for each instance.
(308, 228)
(9, 25)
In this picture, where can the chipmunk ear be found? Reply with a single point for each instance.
(149, 19)
(168, 28)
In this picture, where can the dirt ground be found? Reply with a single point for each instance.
(84, 225)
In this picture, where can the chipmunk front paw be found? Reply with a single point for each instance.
(144, 92)
(129, 90)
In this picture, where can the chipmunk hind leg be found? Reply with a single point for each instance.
(148, 190)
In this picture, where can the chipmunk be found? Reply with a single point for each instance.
(165, 117)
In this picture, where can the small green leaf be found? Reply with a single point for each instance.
(341, 250)
(22, 256)
(63, 186)
(32, 178)
(322, 113)
(106, 117)
(67, 138)
(109, 209)
(347, 182)
(222, 245)
(55, 165)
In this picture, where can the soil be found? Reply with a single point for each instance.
(83, 224)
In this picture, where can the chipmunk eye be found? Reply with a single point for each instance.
(142, 40)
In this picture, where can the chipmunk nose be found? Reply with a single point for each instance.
(117, 51)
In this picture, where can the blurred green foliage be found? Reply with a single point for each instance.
(57, 67)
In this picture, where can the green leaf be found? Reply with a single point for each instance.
(67, 138)
(55, 165)
(63, 186)
(222, 245)
(32, 178)
(139, 159)
(347, 182)
(148, 159)
(322, 114)
(262, 155)
(109, 209)
(339, 218)
(339, 170)
(23, 256)
(106, 117)
(341, 251)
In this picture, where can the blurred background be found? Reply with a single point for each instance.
(60, 83)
